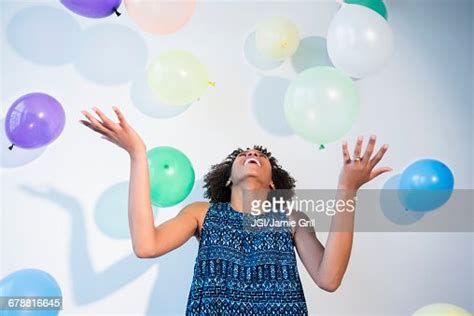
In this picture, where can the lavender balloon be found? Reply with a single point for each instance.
(93, 8)
(34, 120)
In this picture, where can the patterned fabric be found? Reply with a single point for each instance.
(240, 271)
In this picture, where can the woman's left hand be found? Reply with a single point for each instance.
(360, 169)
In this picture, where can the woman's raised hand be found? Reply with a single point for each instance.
(360, 169)
(121, 133)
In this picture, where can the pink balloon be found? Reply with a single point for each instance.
(160, 16)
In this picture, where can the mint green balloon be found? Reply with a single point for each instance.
(376, 5)
(171, 176)
(321, 104)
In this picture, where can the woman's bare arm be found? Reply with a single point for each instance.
(147, 240)
(327, 265)
(174, 232)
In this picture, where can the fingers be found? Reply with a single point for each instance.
(105, 135)
(94, 124)
(88, 124)
(379, 171)
(378, 156)
(120, 116)
(345, 152)
(358, 147)
(105, 120)
(369, 150)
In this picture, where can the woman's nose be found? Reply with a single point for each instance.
(251, 153)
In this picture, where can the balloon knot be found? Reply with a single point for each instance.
(11, 147)
(284, 44)
(116, 12)
(321, 147)
(212, 83)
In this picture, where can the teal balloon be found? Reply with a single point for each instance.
(376, 5)
(31, 282)
(171, 176)
(321, 104)
(425, 185)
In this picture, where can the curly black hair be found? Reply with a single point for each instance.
(215, 180)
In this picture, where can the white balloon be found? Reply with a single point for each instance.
(359, 41)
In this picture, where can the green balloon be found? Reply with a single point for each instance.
(376, 5)
(321, 104)
(171, 176)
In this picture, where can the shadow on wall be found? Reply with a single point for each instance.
(268, 105)
(106, 54)
(171, 288)
(111, 54)
(44, 35)
(149, 104)
(312, 52)
(391, 206)
(17, 157)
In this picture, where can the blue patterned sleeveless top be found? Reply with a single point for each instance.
(240, 271)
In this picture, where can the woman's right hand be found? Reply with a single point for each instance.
(121, 133)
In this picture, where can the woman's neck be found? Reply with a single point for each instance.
(248, 200)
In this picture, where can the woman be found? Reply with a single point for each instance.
(240, 271)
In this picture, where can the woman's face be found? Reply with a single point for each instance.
(252, 163)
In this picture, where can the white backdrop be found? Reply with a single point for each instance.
(421, 104)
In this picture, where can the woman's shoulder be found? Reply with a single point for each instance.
(198, 210)
(197, 207)
(199, 204)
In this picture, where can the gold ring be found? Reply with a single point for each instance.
(357, 158)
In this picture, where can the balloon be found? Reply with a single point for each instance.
(93, 8)
(321, 104)
(34, 120)
(441, 309)
(360, 41)
(425, 185)
(277, 38)
(160, 16)
(376, 5)
(177, 77)
(171, 176)
(31, 282)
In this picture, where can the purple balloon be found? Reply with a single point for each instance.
(93, 8)
(34, 120)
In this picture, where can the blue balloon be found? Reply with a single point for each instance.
(28, 283)
(425, 185)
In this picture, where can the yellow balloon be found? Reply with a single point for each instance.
(277, 38)
(177, 77)
(441, 309)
